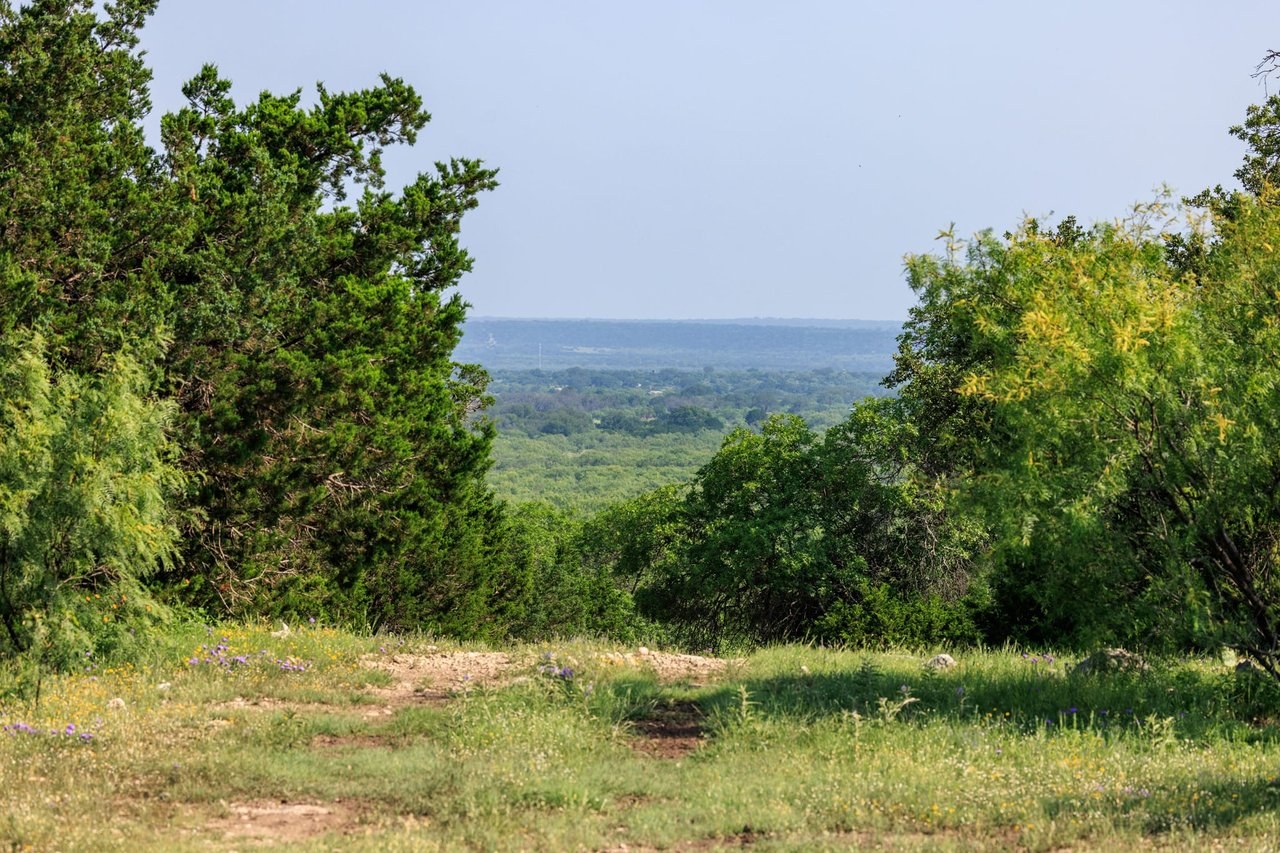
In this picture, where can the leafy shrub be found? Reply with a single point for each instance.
(883, 617)
(85, 483)
(557, 589)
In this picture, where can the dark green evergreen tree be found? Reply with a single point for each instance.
(299, 315)
(340, 456)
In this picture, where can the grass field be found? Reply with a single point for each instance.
(230, 738)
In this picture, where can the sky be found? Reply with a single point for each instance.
(678, 159)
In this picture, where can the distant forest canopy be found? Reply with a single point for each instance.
(864, 346)
(670, 400)
(233, 380)
(582, 439)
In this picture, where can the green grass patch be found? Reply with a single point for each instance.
(799, 749)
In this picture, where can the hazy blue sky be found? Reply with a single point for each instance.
(730, 158)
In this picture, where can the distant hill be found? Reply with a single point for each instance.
(895, 325)
(763, 343)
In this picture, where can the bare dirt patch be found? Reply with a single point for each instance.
(264, 822)
(670, 731)
(671, 667)
(269, 703)
(678, 667)
(436, 676)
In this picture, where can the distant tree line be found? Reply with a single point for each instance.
(1083, 448)
(640, 403)
(227, 387)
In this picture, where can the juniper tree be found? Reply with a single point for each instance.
(300, 316)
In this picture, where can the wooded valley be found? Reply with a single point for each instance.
(238, 387)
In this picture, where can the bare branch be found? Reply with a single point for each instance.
(1269, 65)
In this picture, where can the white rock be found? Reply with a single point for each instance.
(1110, 660)
(643, 651)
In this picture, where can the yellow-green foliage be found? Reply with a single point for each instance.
(84, 483)
(1108, 400)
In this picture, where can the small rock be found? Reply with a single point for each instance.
(643, 651)
(943, 661)
(1110, 660)
(116, 704)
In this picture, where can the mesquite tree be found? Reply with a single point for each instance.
(1132, 451)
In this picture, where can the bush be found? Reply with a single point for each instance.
(557, 589)
(85, 483)
(883, 617)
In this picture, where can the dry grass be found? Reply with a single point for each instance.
(324, 740)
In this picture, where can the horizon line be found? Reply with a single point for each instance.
(694, 319)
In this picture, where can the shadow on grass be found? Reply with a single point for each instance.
(1211, 806)
(1179, 704)
(1157, 710)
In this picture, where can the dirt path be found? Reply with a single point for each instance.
(267, 823)
(670, 667)
(436, 676)
(671, 731)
